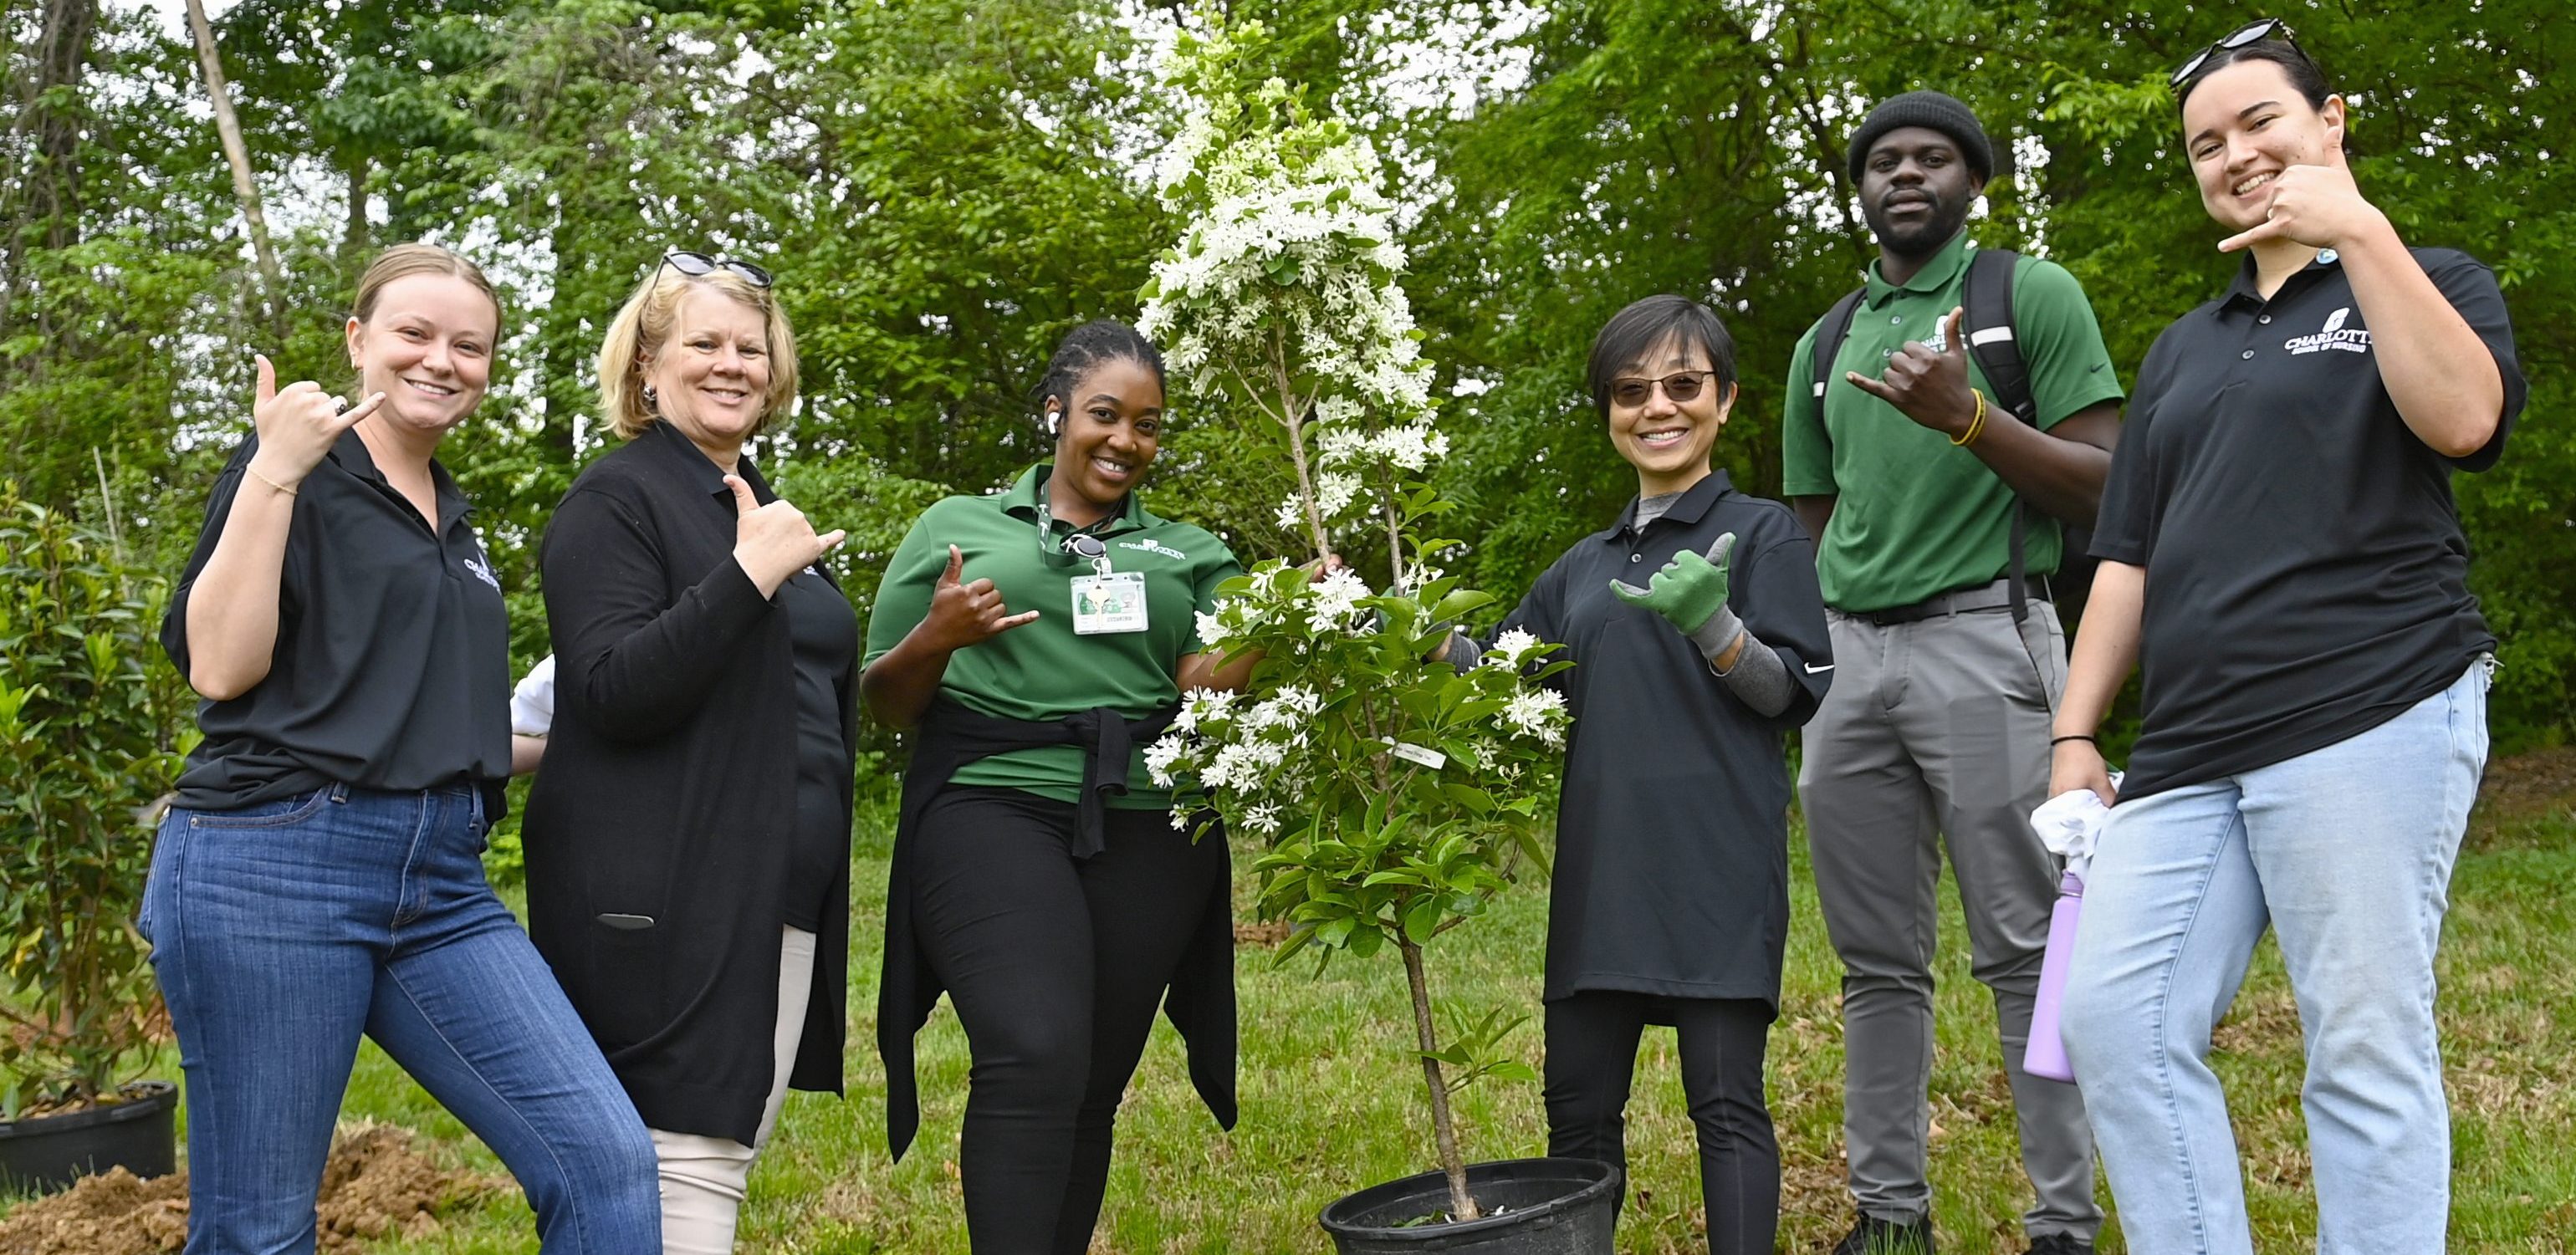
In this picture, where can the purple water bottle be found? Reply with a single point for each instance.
(2046, 1054)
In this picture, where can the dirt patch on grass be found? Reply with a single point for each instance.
(376, 1184)
(2527, 786)
(1264, 934)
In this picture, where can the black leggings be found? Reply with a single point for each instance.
(1591, 1057)
(1056, 968)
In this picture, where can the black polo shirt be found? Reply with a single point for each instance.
(1672, 865)
(2307, 579)
(392, 668)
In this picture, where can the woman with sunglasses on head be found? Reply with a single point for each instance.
(320, 876)
(688, 840)
(2283, 559)
(1035, 641)
(1698, 637)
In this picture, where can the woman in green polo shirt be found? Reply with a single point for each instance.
(1035, 641)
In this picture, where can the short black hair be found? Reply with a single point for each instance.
(1635, 331)
(2306, 75)
(1088, 346)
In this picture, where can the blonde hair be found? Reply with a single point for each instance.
(644, 325)
(402, 261)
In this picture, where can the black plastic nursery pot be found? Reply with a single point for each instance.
(139, 1135)
(1533, 1206)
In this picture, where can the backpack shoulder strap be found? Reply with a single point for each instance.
(1830, 334)
(1992, 336)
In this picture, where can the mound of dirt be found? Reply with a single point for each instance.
(2528, 785)
(375, 1185)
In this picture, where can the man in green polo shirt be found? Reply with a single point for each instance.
(1909, 471)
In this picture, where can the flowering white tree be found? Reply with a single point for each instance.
(1395, 796)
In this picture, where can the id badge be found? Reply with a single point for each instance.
(1108, 603)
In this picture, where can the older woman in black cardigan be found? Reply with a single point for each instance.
(688, 839)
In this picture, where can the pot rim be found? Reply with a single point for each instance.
(156, 1095)
(1607, 1179)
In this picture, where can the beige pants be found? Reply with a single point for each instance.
(703, 1178)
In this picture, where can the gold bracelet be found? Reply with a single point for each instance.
(254, 474)
(1975, 425)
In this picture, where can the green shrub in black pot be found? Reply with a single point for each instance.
(92, 730)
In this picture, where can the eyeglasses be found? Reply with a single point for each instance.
(2252, 33)
(1069, 548)
(1683, 388)
(697, 265)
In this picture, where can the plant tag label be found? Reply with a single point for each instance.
(1108, 603)
(1430, 758)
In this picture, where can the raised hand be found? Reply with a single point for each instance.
(2319, 206)
(1689, 591)
(1927, 386)
(297, 426)
(967, 613)
(773, 542)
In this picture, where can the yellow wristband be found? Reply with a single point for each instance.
(1975, 425)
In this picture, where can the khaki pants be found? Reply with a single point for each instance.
(1935, 736)
(704, 1178)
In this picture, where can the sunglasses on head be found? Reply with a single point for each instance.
(697, 265)
(2253, 32)
(1683, 387)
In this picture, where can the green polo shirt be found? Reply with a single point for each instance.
(1042, 670)
(1915, 515)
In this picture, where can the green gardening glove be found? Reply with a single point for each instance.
(1690, 592)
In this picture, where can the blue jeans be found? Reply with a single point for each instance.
(283, 930)
(2346, 853)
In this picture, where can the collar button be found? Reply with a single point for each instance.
(2266, 319)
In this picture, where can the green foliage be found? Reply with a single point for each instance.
(87, 719)
(1675, 146)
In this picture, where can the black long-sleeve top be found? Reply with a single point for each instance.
(662, 832)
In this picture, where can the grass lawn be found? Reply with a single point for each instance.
(1332, 1102)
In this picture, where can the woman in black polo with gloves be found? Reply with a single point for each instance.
(688, 839)
(1699, 640)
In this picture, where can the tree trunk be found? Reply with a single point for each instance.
(236, 154)
(353, 237)
(43, 210)
(1462, 1206)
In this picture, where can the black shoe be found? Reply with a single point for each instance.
(2060, 1244)
(1873, 1236)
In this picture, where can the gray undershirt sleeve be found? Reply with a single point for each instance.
(1759, 680)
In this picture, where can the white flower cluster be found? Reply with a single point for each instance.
(1410, 447)
(1296, 240)
(1335, 604)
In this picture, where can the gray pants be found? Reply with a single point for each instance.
(1936, 732)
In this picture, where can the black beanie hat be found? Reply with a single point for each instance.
(1925, 108)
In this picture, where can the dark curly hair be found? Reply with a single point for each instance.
(1087, 347)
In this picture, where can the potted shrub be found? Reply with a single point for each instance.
(86, 745)
(1394, 798)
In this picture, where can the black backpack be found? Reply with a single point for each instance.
(1992, 341)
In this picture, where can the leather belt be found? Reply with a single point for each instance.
(1996, 595)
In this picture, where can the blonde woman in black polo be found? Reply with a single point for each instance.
(689, 838)
(320, 877)
(2283, 560)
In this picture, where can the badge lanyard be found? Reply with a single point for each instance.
(1104, 602)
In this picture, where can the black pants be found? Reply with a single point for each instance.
(1592, 1056)
(1056, 968)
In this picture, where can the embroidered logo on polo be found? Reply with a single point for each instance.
(1154, 546)
(2333, 336)
(481, 566)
